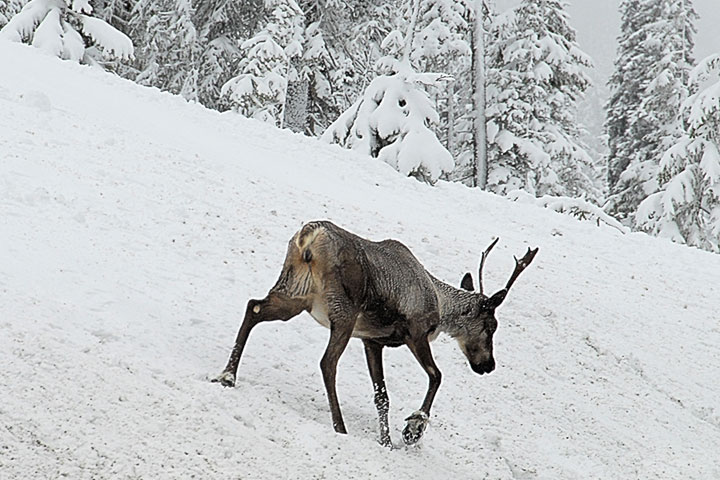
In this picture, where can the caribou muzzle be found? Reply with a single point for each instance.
(485, 367)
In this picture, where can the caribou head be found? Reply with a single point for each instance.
(477, 322)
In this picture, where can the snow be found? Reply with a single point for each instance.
(542, 71)
(73, 44)
(59, 38)
(109, 38)
(48, 36)
(134, 227)
(710, 163)
(22, 25)
(80, 5)
(576, 207)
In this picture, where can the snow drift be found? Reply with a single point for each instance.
(134, 226)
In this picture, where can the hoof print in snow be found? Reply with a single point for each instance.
(226, 379)
(416, 424)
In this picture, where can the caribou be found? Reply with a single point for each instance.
(378, 292)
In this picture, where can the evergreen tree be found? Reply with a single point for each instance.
(391, 120)
(687, 209)
(626, 90)
(332, 42)
(118, 14)
(309, 100)
(269, 63)
(322, 80)
(648, 88)
(467, 125)
(8, 9)
(61, 28)
(170, 46)
(442, 43)
(440, 37)
(222, 26)
(115, 12)
(355, 38)
(536, 76)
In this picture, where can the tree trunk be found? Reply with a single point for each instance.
(411, 32)
(451, 118)
(480, 167)
(296, 102)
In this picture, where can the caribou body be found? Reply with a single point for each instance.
(378, 292)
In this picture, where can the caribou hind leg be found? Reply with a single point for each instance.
(373, 352)
(273, 307)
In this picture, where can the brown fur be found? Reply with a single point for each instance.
(379, 292)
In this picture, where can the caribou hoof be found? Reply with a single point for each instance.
(226, 379)
(386, 442)
(415, 427)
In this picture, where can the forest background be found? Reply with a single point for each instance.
(608, 110)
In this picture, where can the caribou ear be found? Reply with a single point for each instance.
(495, 301)
(467, 283)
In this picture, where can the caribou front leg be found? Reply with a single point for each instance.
(373, 352)
(273, 307)
(416, 423)
(342, 323)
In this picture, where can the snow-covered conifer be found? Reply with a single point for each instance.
(467, 125)
(535, 78)
(8, 9)
(355, 39)
(391, 122)
(259, 91)
(442, 43)
(441, 37)
(687, 208)
(648, 88)
(397, 44)
(55, 26)
(221, 28)
(118, 14)
(439, 41)
(317, 82)
(170, 46)
(626, 90)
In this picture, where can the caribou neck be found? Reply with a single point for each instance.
(455, 306)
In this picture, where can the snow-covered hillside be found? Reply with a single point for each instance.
(134, 227)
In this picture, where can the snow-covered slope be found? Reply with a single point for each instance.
(134, 227)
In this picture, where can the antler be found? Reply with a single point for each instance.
(520, 265)
(482, 262)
